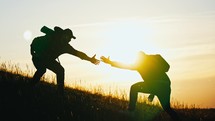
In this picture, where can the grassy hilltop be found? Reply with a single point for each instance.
(18, 101)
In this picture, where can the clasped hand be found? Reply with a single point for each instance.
(94, 60)
(105, 60)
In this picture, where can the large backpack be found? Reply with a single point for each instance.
(40, 45)
(158, 63)
(153, 63)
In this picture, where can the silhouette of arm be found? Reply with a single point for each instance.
(69, 49)
(122, 65)
(118, 64)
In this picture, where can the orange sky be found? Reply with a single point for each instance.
(183, 32)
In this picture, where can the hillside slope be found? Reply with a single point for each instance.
(19, 101)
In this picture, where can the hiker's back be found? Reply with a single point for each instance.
(158, 63)
(45, 46)
(153, 67)
(53, 44)
(42, 46)
(39, 46)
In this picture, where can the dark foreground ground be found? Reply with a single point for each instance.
(18, 101)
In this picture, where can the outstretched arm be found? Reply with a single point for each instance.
(118, 64)
(82, 55)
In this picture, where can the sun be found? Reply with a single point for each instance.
(27, 35)
(125, 39)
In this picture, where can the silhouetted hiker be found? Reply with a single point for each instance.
(152, 69)
(46, 49)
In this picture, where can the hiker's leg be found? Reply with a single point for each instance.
(40, 71)
(37, 75)
(59, 71)
(135, 88)
(164, 99)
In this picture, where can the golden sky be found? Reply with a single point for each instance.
(182, 31)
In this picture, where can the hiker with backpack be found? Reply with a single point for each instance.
(152, 69)
(46, 49)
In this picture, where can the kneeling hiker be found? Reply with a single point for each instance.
(152, 69)
(46, 49)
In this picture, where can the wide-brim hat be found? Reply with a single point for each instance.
(67, 31)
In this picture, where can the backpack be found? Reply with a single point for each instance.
(41, 44)
(158, 63)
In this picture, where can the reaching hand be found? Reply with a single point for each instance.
(105, 60)
(94, 60)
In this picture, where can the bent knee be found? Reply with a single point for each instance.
(134, 87)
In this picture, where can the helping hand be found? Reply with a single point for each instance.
(105, 60)
(94, 60)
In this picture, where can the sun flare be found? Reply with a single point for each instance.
(125, 39)
(27, 35)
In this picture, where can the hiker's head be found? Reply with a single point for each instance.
(140, 57)
(141, 54)
(66, 35)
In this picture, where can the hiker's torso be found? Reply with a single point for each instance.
(154, 78)
(52, 47)
(150, 75)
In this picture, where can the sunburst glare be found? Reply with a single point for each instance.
(27, 35)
